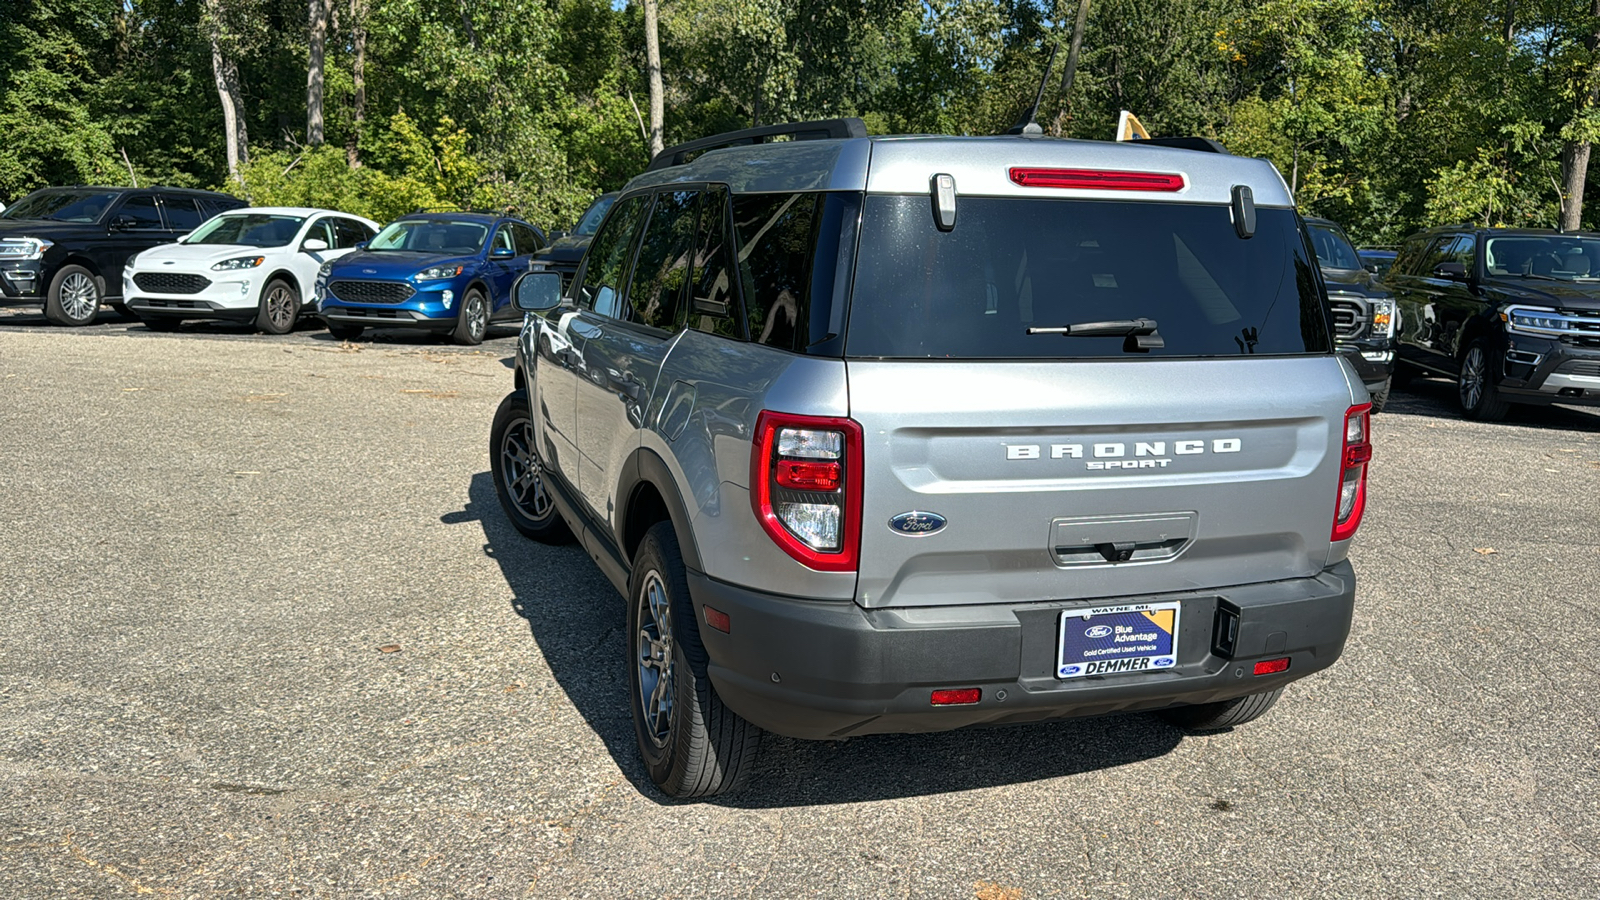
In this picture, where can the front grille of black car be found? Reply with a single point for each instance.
(372, 291)
(1587, 367)
(1350, 317)
(171, 282)
(1585, 321)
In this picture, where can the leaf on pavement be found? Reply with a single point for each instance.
(1484, 551)
(389, 648)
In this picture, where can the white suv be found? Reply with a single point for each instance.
(256, 264)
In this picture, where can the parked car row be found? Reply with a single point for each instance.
(167, 255)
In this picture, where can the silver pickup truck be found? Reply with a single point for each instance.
(898, 434)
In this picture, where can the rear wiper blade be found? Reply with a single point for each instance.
(1141, 333)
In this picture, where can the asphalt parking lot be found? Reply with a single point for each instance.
(268, 634)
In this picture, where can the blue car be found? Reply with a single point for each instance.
(449, 273)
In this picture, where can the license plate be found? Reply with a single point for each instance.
(1113, 640)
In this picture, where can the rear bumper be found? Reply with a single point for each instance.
(828, 669)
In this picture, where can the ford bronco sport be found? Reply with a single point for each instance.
(900, 434)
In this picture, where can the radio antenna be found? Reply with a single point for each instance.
(1028, 124)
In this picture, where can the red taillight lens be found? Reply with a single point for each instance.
(1353, 459)
(1098, 179)
(805, 486)
(1272, 666)
(957, 697)
(799, 475)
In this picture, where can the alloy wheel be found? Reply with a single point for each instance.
(522, 471)
(654, 658)
(79, 297)
(281, 306)
(1472, 376)
(478, 318)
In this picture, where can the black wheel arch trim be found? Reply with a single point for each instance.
(646, 468)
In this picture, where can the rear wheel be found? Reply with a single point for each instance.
(473, 319)
(692, 745)
(74, 297)
(344, 332)
(519, 480)
(1223, 714)
(1480, 399)
(279, 307)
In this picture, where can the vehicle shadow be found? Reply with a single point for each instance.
(1436, 398)
(577, 619)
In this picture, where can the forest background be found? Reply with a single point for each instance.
(1386, 115)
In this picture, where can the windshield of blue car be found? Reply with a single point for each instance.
(1555, 257)
(247, 229)
(431, 236)
(590, 221)
(61, 206)
(1333, 248)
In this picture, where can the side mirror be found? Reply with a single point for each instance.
(537, 291)
(314, 245)
(502, 253)
(123, 223)
(1371, 267)
(556, 235)
(1452, 271)
(361, 246)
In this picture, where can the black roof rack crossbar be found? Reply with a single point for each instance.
(1205, 145)
(824, 129)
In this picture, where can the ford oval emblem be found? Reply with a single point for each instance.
(917, 524)
(1096, 632)
(369, 271)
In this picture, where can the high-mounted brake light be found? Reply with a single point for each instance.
(1353, 459)
(1098, 179)
(805, 487)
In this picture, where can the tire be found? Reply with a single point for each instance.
(161, 323)
(693, 746)
(1223, 714)
(279, 307)
(472, 320)
(1475, 387)
(518, 474)
(344, 332)
(1381, 398)
(74, 297)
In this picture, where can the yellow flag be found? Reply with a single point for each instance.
(1129, 129)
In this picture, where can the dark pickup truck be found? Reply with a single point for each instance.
(1363, 309)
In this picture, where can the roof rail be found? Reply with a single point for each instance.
(823, 129)
(1204, 145)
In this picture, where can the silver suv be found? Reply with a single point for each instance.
(901, 434)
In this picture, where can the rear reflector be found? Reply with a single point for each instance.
(958, 697)
(719, 620)
(1272, 666)
(1098, 179)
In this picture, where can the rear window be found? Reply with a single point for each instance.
(1015, 263)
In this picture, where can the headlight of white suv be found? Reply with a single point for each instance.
(434, 273)
(238, 262)
(24, 248)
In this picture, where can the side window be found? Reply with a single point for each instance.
(348, 233)
(607, 259)
(777, 239)
(1438, 251)
(142, 210)
(502, 239)
(714, 306)
(320, 230)
(661, 275)
(525, 239)
(183, 213)
(1464, 252)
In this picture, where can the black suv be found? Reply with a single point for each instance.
(66, 246)
(1512, 314)
(566, 250)
(1363, 310)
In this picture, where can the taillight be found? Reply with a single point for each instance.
(1098, 179)
(1353, 458)
(805, 485)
